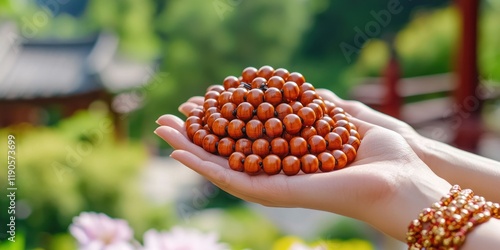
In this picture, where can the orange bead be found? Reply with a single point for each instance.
(199, 135)
(236, 161)
(217, 88)
(297, 78)
(273, 96)
(271, 164)
(349, 151)
(210, 142)
(326, 162)
(244, 146)
(290, 165)
(307, 132)
(330, 121)
(225, 97)
(283, 110)
(290, 91)
(339, 117)
(275, 82)
(231, 82)
(210, 111)
(258, 82)
(333, 141)
(252, 164)
(228, 111)
(296, 106)
(212, 118)
(265, 111)
(210, 103)
(309, 164)
(343, 123)
(316, 144)
(274, 127)
(344, 134)
(248, 74)
(261, 147)
(329, 106)
(281, 72)
(307, 97)
(306, 86)
(321, 103)
(307, 116)
(265, 72)
(287, 136)
(337, 110)
(225, 147)
(355, 133)
(255, 97)
(219, 127)
(235, 128)
(298, 146)
(239, 95)
(353, 126)
(212, 95)
(317, 109)
(244, 111)
(322, 127)
(340, 159)
(198, 111)
(279, 147)
(354, 142)
(192, 120)
(292, 123)
(192, 129)
(253, 129)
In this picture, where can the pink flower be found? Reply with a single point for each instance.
(182, 239)
(95, 231)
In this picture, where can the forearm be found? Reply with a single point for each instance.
(463, 168)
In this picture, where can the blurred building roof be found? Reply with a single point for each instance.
(34, 69)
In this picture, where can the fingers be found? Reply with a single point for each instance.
(190, 104)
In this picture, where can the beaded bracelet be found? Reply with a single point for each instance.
(445, 224)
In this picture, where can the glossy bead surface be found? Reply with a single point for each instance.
(199, 135)
(343, 123)
(271, 164)
(333, 141)
(298, 146)
(292, 123)
(339, 117)
(197, 112)
(235, 129)
(322, 127)
(239, 95)
(255, 97)
(290, 91)
(254, 129)
(244, 111)
(307, 116)
(225, 147)
(212, 118)
(317, 109)
(340, 159)
(265, 111)
(236, 161)
(248, 74)
(326, 162)
(305, 87)
(210, 103)
(275, 82)
(279, 147)
(228, 111)
(219, 127)
(296, 106)
(231, 82)
(307, 97)
(192, 120)
(329, 106)
(349, 151)
(281, 72)
(217, 88)
(265, 72)
(274, 127)
(355, 133)
(337, 110)
(344, 134)
(261, 147)
(309, 164)
(252, 164)
(307, 132)
(225, 97)
(212, 95)
(297, 78)
(192, 129)
(283, 110)
(210, 142)
(244, 146)
(330, 121)
(354, 141)
(290, 165)
(258, 82)
(273, 96)
(316, 144)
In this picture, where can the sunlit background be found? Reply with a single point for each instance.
(83, 81)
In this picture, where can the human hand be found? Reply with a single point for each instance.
(387, 185)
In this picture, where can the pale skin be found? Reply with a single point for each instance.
(389, 183)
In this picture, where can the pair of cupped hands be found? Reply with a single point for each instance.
(386, 186)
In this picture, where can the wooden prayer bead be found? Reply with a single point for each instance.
(297, 78)
(231, 82)
(307, 132)
(236, 161)
(265, 72)
(279, 147)
(225, 147)
(337, 110)
(298, 146)
(265, 111)
(355, 133)
(252, 164)
(354, 141)
(212, 95)
(210, 142)
(296, 106)
(219, 127)
(225, 97)
(248, 74)
(292, 123)
(193, 128)
(321, 103)
(339, 117)
(309, 164)
(274, 127)
(326, 162)
(290, 91)
(199, 135)
(283, 110)
(192, 120)
(340, 159)
(329, 106)
(273, 96)
(281, 72)
(239, 95)
(217, 88)
(307, 116)
(330, 121)
(306, 86)
(349, 151)
(333, 141)
(258, 82)
(210, 111)
(244, 111)
(254, 129)
(322, 127)
(271, 164)
(317, 109)
(344, 124)
(316, 144)
(287, 136)
(235, 128)
(244, 146)
(212, 118)
(307, 97)
(255, 97)
(344, 133)
(275, 82)
(353, 126)
(261, 147)
(290, 165)
(210, 103)
(198, 111)
(228, 111)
